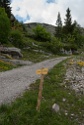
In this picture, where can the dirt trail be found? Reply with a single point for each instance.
(14, 82)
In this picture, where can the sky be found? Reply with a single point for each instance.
(46, 11)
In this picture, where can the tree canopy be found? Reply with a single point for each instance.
(6, 5)
(4, 26)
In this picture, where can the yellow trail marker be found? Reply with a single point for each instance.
(38, 71)
(43, 72)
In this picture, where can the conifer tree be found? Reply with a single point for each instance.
(68, 28)
(59, 26)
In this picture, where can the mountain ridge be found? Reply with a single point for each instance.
(30, 26)
(49, 27)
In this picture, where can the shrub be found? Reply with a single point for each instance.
(16, 38)
(55, 45)
(41, 34)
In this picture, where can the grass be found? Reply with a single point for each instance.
(35, 56)
(23, 110)
(4, 66)
(35, 51)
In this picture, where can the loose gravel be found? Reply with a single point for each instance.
(74, 78)
(14, 82)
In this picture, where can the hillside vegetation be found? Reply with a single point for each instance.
(42, 37)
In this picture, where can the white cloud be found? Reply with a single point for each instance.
(41, 11)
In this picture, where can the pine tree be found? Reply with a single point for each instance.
(78, 34)
(59, 22)
(59, 26)
(6, 5)
(68, 28)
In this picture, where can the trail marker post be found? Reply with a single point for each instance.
(41, 72)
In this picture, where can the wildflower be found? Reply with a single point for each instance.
(80, 63)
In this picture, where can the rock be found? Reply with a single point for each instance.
(55, 107)
(14, 52)
(72, 114)
(82, 69)
(66, 113)
(63, 99)
(2, 57)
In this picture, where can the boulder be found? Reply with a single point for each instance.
(14, 52)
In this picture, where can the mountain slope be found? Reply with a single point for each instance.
(30, 26)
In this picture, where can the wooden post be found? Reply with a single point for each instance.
(40, 93)
(41, 72)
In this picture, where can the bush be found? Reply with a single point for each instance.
(4, 26)
(16, 38)
(41, 34)
(54, 46)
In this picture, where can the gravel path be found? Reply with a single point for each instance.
(14, 82)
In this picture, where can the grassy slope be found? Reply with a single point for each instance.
(23, 110)
(4, 66)
(35, 51)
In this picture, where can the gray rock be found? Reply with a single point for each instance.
(63, 99)
(82, 69)
(72, 114)
(2, 57)
(55, 107)
(66, 113)
(14, 52)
